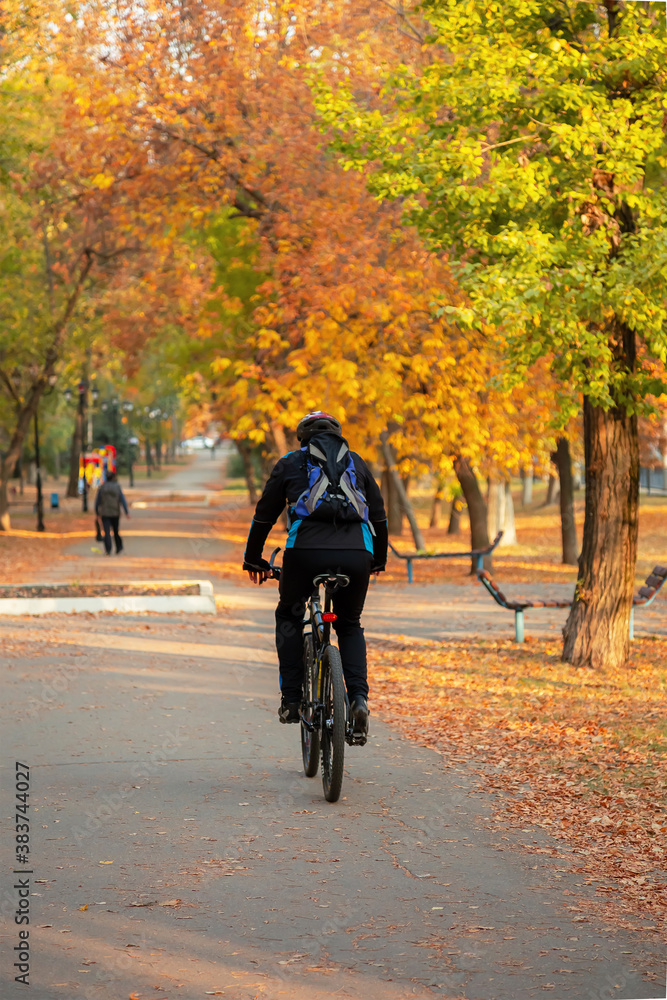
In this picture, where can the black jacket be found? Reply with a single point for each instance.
(286, 483)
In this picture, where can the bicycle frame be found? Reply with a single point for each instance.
(320, 622)
(321, 625)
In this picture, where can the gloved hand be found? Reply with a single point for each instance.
(378, 569)
(258, 571)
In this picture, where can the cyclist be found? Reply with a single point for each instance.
(316, 544)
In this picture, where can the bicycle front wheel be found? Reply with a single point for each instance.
(310, 738)
(333, 727)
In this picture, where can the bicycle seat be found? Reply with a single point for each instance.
(331, 581)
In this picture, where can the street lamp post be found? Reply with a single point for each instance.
(114, 414)
(81, 423)
(94, 396)
(83, 387)
(128, 407)
(38, 470)
(157, 416)
(38, 476)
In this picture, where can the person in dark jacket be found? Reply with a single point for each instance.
(315, 545)
(108, 503)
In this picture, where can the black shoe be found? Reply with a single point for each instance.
(288, 711)
(359, 715)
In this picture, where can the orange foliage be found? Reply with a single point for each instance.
(186, 115)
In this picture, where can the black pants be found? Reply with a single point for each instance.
(111, 524)
(296, 586)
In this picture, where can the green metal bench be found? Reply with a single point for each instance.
(645, 596)
(476, 554)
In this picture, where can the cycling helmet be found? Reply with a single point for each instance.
(317, 422)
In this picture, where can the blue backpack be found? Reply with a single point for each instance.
(332, 493)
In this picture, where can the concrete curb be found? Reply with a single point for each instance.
(167, 505)
(201, 603)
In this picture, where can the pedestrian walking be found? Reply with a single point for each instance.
(108, 503)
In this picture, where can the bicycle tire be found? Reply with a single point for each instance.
(333, 725)
(310, 741)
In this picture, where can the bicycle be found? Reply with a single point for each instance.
(325, 709)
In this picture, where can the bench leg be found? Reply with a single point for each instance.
(409, 570)
(480, 563)
(518, 626)
(632, 624)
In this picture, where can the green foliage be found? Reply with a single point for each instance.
(231, 246)
(532, 149)
(35, 217)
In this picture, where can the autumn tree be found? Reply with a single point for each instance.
(55, 218)
(42, 277)
(532, 149)
(212, 118)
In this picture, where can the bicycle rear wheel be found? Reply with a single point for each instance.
(333, 728)
(310, 740)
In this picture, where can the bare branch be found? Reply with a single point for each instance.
(413, 33)
(212, 154)
(5, 379)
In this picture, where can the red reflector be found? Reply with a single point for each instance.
(329, 616)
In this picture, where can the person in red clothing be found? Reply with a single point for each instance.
(340, 529)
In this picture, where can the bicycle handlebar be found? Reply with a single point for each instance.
(275, 570)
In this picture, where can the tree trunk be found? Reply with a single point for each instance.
(245, 452)
(395, 513)
(597, 630)
(527, 486)
(147, 446)
(5, 523)
(551, 496)
(278, 432)
(568, 528)
(454, 526)
(436, 508)
(75, 455)
(394, 477)
(24, 417)
(501, 512)
(28, 408)
(479, 534)
(509, 524)
(495, 507)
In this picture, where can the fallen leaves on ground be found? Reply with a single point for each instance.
(581, 752)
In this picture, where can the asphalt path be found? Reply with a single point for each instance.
(178, 851)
